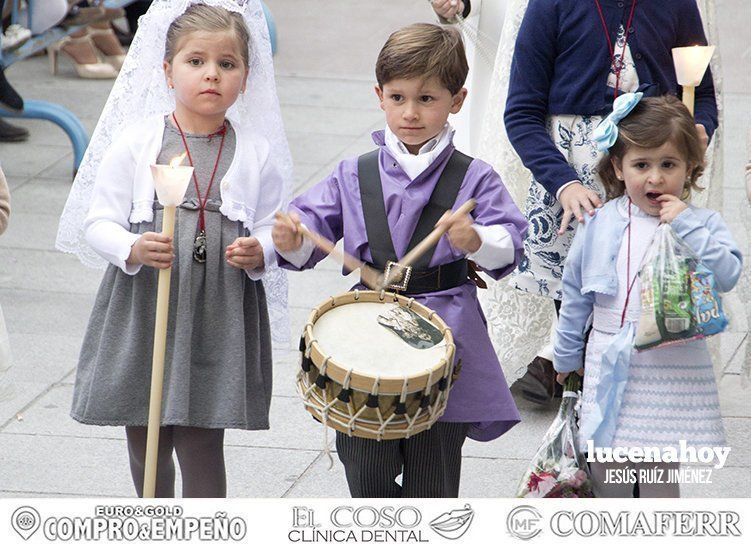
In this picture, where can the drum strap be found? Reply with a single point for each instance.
(374, 208)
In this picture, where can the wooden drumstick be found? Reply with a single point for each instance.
(368, 275)
(429, 241)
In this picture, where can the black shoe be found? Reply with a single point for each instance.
(12, 133)
(10, 100)
(538, 384)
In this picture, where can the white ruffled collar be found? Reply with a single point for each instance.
(414, 165)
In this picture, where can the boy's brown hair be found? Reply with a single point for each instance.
(424, 51)
(652, 123)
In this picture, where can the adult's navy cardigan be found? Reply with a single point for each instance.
(561, 65)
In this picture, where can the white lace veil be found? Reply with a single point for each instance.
(140, 91)
(520, 322)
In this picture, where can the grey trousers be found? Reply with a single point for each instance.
(430, 463)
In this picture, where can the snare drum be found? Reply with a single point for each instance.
(361, 378)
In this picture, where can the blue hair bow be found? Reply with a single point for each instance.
(606, 133)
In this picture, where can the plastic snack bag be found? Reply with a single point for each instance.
(678, 299)
(707, 303)
(558, 469)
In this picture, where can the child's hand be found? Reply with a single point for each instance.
(671, 206)
(245, 253)
(152, 249)
(448, 8)
(286, 232)
(561, 376)
(461, 234)
(703, 136)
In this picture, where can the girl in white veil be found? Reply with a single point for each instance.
(218, 357)
(141, 91)
(520, 322)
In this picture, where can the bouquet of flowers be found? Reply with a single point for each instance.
(678, 298)
(558, 469)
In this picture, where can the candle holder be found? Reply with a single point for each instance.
(170, 181)
(690, 64)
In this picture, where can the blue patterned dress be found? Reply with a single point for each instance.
(541, 268)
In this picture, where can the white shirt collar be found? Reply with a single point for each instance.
(414, 165)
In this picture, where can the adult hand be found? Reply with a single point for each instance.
(670, 207)
(152, 249)
(461, 234)
(245, 252)
(703, 136)
(448, 8)
(286, 233)
(577, 200)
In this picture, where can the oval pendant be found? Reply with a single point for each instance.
(199, 247)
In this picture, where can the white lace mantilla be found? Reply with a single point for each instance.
(140, 92)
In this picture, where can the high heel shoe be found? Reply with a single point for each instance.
(96, 70)
(116, 61)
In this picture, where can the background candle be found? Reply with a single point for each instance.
(690, 64)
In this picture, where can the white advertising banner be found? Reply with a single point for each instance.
(283, 521)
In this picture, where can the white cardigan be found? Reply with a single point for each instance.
(124, 192)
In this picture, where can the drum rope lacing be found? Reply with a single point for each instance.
(351, 418)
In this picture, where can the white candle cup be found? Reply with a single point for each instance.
(171, 182)
(691, 63)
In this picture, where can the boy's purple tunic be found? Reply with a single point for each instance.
(333, 209)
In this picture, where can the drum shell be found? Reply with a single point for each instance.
(381, 422)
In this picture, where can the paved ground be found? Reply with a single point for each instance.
(324, 70)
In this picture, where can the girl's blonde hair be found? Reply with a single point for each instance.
(201, 17)
(652, 123)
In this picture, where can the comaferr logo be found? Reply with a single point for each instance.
(524, 522)
(660, 523)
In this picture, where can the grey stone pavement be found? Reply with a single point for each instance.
(325, 76)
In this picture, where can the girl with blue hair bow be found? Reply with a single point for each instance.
(654, 398)
(571, 59)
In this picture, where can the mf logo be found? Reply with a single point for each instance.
(524, 522)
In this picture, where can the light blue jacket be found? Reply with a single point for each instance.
(591, 268)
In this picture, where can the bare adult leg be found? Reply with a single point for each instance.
(200, 453)
(165, 470)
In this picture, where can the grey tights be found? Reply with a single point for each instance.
(200, 453)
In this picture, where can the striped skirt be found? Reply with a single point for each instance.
(671, 393)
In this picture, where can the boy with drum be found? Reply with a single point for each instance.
(382, 204)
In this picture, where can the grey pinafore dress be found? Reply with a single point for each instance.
(218, 358)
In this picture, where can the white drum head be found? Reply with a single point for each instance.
(351, 335)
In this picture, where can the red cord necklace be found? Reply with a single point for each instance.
(199, 245)
(617, 63)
